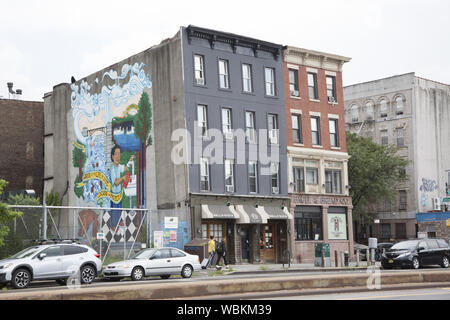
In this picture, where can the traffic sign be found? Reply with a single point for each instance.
(446, 200)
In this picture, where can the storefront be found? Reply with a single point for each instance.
(434, 225)
(320, 219)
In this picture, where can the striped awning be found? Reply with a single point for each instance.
(218, 212)
(275, 212)
(249, 214)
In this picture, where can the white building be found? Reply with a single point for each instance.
(414, 114)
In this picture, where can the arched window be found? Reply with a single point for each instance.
(399, 105)
(369, 110)
(355, 113)
(383, 108)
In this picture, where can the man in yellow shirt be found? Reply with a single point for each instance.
(211, 250)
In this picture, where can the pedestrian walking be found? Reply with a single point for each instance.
(211, 251)
(221, 251)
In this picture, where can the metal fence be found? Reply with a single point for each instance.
(115, 233)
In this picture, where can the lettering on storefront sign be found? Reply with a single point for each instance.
(300, 199)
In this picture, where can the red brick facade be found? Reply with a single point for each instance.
(21, 145)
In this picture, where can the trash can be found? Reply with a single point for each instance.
(318, 250)
(198, 247)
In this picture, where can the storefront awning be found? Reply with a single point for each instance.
(219, 212)
(249, 214)
(274, 212)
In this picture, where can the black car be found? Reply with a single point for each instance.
(416, 254)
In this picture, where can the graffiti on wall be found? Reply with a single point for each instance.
(112, 130)
(426, 187)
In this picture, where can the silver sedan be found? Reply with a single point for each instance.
(162, 262)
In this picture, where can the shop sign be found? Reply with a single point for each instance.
(337, 226)
(171, 222)
(158, 239)
(324, 200)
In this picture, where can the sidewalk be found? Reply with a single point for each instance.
(296, 267)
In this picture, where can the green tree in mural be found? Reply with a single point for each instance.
(142, 127)
(78, 159)
(373, 173)
(6, 215)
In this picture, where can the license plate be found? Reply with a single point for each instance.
(391, 261)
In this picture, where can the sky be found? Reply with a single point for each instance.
(43, 43)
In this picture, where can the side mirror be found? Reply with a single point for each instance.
(42, 256)
(420, 249)
(151, 258)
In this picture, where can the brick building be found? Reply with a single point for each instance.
(317, 153)
(21, 145)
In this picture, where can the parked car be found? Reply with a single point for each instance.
(417, 253)
(162, 262)
(50, 261)
(380, 247)
(362, 250)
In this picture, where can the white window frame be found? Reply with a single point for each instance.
(202, 123)
(298, 123)
(247, 81)
(334, 185)
(313, 86)
(204, 173)
(227, 123)
(250, 131)
(316, 121)
(255, 177)
(272, 124)
(293, 83)
(229, 173)
(275, 177)
(224, 77)
(334, 137)
(199, 69)
(331, 98)
(269, 79)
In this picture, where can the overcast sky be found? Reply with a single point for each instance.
(44, 43)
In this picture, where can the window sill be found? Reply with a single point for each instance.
(299, 144)
(317, 146)
(295, 97)
(250, 93)
(225, 89)
(270, 97)
(314, 100)
(200, 85)
(336, 148)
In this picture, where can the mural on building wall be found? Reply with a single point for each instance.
(112, 131)
(425, 188)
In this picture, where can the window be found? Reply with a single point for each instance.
(399, 105)
(334, 141)
(199, 68)
(250, 126)
(333, 182)
(224, 80)
(312, 176)
(247, 78)
(274, 169)
(384, 137)
(293, 83)
(308, 223)
(70, 250)
(400, 230)
(402, 200)
(270, 81)
(213, 229)
(162, 254)
(226, 123)
(315, 131)
(273, 128)
(252, 177)
(383, 109)
(331, 88)
(204, 174)
(385, 230)
(369, 111)
(400, 138)
(355, 113)
(299, 179)
(53, 251)
(266, 234)
(177, 254)
(312, 86)
(229, 176)
(296, 128)
(202, 121)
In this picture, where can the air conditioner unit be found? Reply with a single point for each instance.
(294, 93)
(436, 203)
(200, 81)
(275, 190)
(230, 188)
(331, 99)
(229, 135)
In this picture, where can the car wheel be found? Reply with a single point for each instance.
(186, 272)
(61, 282)
(445, 262)
(137, 274)
(87, 274)
(21, 279)
(415, 263)
(166, 276)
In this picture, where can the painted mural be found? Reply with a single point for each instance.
(112, 129)
(427, 187)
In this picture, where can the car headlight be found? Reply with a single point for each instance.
(6, 266)
(403, 255)
(125, 266)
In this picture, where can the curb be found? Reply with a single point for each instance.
(298, 270)
(227, 287)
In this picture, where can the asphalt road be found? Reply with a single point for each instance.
(43, 286)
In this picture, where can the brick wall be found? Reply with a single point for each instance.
(21, 144)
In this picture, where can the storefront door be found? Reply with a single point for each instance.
(245, 244)
(267, 242)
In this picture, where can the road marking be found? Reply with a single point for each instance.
(395, 295)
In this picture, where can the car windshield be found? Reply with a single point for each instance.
(405, 245)
(25, 253)
(144, 254)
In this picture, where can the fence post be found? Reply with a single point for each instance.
(44, 233)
